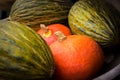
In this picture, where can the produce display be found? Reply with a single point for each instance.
(60, 40)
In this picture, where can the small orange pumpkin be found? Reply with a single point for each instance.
(77, 57)
(47, 32)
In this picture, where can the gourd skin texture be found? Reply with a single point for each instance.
(93, 18)
(36, 12)
(24, 55)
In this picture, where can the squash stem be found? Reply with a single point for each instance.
(44, 28)
(60, 36)
(46, 32)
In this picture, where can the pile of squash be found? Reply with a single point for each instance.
(25, 51)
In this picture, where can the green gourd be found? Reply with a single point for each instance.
(95, 19)
(36, 12)
(24, 55)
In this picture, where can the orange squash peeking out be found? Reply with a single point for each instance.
(47, 32)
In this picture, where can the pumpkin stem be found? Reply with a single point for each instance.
(46, 31)
(60, 36)
(44, 28)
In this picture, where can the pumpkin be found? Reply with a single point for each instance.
(47, 32)
(36, 12)
(24, 55)
(77, 57)
(95, 19)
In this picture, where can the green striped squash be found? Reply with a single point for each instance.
(36, 12)
(24, 55)
(95, 19)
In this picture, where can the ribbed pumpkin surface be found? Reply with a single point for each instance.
(35, 12)
(93, 18)
(23, 54)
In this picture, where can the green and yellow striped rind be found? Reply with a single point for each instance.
(93, 18)
(24, 55)
(35, 12)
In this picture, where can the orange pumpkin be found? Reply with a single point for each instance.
(77, 57)
(47, 32)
